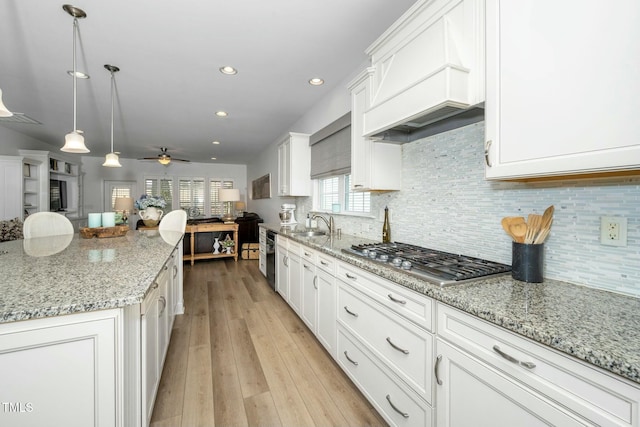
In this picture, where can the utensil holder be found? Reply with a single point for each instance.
(527, 261)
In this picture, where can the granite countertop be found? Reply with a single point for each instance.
(51, 276)
(596, 326)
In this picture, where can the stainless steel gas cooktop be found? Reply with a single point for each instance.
(441, 268)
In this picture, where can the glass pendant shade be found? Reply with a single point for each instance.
(4, 111)
(74, 143)
(164, 160)
(112, 161)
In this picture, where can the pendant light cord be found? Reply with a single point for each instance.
(75, 30)
(112, 88)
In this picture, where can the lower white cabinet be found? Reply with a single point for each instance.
(525, 382)
(309, 309)
(288, 272)
(61, 371)
(472, 393)
(326, 303)
(397, 403)
(282, 267)
(262, 257)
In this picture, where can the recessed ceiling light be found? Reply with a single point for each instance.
(221, 113)
(215, 142)
(316, 81)
(229, 70)
(79, 74)
(213, 158)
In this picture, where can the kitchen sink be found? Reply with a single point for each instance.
(310, 233)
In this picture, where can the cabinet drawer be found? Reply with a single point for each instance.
(415, 307)
(406, 348)
(326, 263)
(589, 392)
(397, 404)
(307, 254)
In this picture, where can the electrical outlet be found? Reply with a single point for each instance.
(613, 231)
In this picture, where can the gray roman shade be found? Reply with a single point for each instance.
(331, 149)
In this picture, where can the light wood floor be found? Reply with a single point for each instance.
(239, 356)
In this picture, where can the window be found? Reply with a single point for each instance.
(217, 207)
(336, 189)
(191, 193)
(114, 189)
(160, 187)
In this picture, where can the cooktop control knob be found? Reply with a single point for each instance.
(373, 254)
(406, 265)
(383, 257)
(397, 262)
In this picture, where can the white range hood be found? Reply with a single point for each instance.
(429, 67)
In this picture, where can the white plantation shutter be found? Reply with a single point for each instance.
(191, 193)
(217, 207)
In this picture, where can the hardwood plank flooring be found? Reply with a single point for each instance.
(240, 356)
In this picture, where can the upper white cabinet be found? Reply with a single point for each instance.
(428, 65)
(562, 87)
(294, 165)
(11, 186)
(374, 165)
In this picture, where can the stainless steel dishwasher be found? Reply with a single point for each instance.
(271, 259)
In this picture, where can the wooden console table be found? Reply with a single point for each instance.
(208, 228)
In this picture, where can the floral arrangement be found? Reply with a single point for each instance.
(228, 243)
(145, 202)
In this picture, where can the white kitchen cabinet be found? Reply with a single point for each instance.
(309, 309)
(562, 88)
(282, 267)
(524, 381)
(288, 272)
(294, 165)
(262, 256)
(374, 165)
(326, 302)
(397, 403)
(474, 394)
(11, 197)
(70, 371)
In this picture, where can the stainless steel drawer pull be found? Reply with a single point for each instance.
(307, 254)
(324, 263)
(350, 312)
(315, 282)
(435, 369)
(402, 350)
(307, 267)
(350, 359)
(399, 301)
(512, 359)
(404, 414)
(164, 305)
(350, 276)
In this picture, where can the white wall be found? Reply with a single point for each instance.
(11, 142)
(135, 170)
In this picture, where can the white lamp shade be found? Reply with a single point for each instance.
(229, 194)
(74, 143)
(4, 111)
(112, 161)
(123, 204)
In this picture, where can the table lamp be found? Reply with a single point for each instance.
(228, 196)
(124, 204)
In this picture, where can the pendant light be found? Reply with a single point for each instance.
(111, 159)
(4, 111)
(74, 141)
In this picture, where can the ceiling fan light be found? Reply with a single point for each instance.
(74, 143)
(112, 161)
(4, 111)
(164, 160)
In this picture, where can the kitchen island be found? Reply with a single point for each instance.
(581, 344)
(84, 326)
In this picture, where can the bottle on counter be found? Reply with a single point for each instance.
(386, 228)
(307, 223)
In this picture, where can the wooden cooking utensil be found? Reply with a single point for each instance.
(534, 222)
(518, 231)
(507, 221)
(547, 216)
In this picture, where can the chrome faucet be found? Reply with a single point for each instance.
(329, 223)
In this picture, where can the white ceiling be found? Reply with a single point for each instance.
(169, 54)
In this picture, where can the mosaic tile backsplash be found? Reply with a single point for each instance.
(447, 204)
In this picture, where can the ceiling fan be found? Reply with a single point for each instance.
(164, 158)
